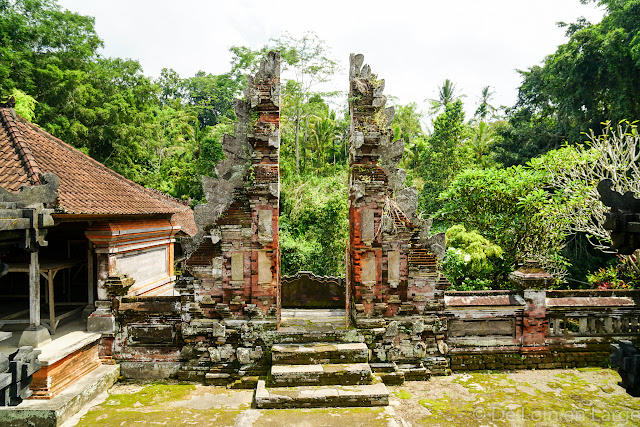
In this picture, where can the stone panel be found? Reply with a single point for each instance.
(237, 266)
(265, 225)
(264, 268)
(369, 268)
(145, 334)
(394, 268)
(367, 226)
(464, 328)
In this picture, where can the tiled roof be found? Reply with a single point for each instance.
(86, 186)
(186, 221)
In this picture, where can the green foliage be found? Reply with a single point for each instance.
(510, 209)
(606, 278)
(444, 155)
(591, 79)
(25, 104)
(625, 274)
(406, 125)
(479, 249)
(309, 60)
(314, 223)
(471, 261)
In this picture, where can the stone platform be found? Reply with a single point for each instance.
(55, 411)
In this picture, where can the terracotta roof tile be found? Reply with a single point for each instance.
(186, 221)
(86, 186)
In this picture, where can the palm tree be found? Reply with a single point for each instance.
(480, 144)
(323, 133)
(484, 108)
(446, 95)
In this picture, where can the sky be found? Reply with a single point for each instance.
(413, 45)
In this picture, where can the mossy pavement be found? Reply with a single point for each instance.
(568, 397)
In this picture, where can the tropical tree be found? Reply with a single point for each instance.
(484, 107)
(446, 95)
(591, 79)
(308, 58)
(444, 155)
(480, 144)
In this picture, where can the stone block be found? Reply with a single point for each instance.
(35, 336)
(319, 353)
(149, 370)
(321, 396)
(302, 375)
(151, 334)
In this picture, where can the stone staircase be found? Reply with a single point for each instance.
(319, 363)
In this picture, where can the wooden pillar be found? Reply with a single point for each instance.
(35, 335)
(90, 274)
(34, 289)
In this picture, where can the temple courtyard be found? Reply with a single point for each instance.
(555, 397)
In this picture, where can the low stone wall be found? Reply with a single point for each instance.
(148, 339)
(513, 361)
(538, 329)
(486, 330)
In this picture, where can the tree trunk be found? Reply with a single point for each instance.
(297, 146)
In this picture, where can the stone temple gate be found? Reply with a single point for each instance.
(225, 326)
(235, 256)
(391, 260)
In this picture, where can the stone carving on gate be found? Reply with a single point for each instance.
(392, 258)
(234, 258)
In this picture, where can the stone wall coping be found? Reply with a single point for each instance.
(488, 300)
(61, 347)
(591, 302)
(490, 292)
(563, 293)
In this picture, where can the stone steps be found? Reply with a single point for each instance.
(320, 396)
(313, 320)
(298, 335)
(318, 362)
(319, 353)
(327, 374)
(388, 372)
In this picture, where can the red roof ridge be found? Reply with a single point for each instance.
(8, 120)
(154, 193)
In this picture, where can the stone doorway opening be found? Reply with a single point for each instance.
(313, 303)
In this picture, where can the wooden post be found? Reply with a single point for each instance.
(90, 273)
(52, 303)
(34, 288)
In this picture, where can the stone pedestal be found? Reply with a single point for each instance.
(35, 336)
(102, 320)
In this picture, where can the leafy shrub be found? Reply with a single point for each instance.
(624, 275)
(471, 261)
(606, 278)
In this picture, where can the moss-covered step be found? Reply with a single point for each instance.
(298, 335)
(319, 353)
(320, 396)
(313, 320)
(325, 374)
